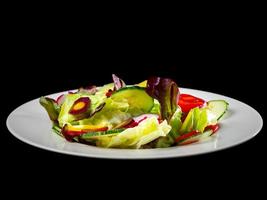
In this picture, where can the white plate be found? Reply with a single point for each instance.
(30, 123)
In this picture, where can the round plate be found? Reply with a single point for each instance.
(30, 123)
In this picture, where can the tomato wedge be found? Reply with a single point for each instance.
(187, 102)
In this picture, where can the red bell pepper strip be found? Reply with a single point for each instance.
(187, 135)
(214, 128)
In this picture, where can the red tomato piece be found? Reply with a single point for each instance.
(187, 102)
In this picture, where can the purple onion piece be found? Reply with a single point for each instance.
(118, 83)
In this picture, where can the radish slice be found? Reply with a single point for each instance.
(118, 83)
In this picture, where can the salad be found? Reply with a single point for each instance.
(151, 114)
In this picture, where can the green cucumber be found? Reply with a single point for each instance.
(91, 135)
(57, 130)
(218, 108)
(95, 138)
(137, 98)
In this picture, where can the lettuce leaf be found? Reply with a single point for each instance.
(156, 108)
(97, 103)
(147, 131)
(166, 92)
(196, 120)
(88, 90)
(175, 123)
(112, 114)
(51, 108)
(104, 89)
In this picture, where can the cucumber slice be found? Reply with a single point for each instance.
(57, 130)
(97, 138)
(137, 98)
(91, 135)
(218, 108)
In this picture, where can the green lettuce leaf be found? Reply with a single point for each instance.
(51, 108)
(147, 131)
(175, 123)
(196, 120)
(112, 114)
(97, 103)
(101, 91)
(156, 108)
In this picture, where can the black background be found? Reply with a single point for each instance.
(224, 59)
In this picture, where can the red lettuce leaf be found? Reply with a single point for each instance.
(166, 91)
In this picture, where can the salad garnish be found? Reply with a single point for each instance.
(151, 114)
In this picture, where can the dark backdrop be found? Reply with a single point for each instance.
(41, 62)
